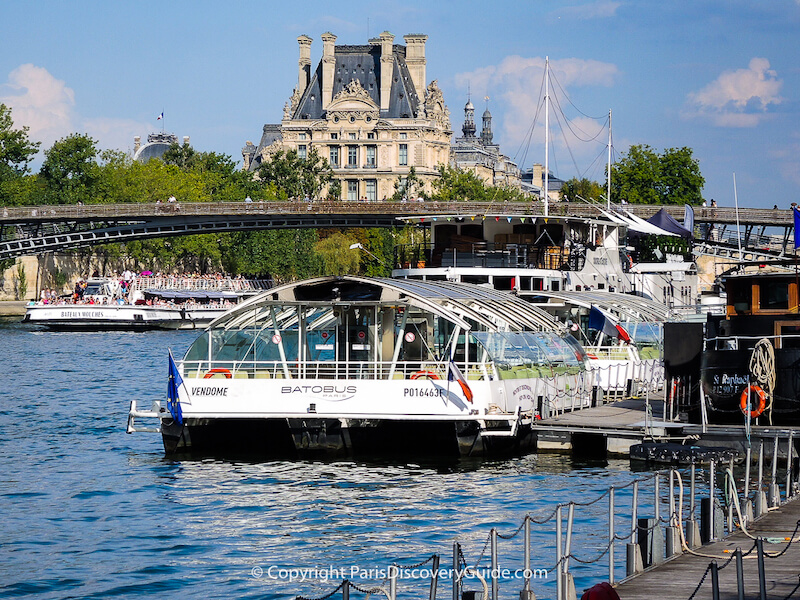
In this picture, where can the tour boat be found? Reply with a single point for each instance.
(534, 253)
(361, 366)
(148, 303)
(749, 364)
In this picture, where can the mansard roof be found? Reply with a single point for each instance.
(363, 64)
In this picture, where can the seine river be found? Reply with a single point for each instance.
(89, 511)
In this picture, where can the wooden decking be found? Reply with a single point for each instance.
(678, 578)
(623, 414)
(615, 427)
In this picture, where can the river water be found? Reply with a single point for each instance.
(89, 511)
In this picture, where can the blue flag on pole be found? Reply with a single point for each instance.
(173, 400)
(796, 214)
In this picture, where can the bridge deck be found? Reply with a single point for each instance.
(36, 229)
(133, 211)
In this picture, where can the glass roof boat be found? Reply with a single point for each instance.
(367, 367)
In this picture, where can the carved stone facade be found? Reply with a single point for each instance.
(480, 155)
(368, 111)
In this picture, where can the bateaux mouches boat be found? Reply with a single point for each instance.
(360, 366)
(750, 364)
(158, 302)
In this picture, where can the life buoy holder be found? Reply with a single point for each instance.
(762, 401)
(213, 372)
(428, 374)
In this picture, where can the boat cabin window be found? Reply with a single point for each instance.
(787, 334)
(504, 283)
(774, 295)
(740, 296)
(525, 354)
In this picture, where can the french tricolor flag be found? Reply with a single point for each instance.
(455, 374)
(601, 321)
(161, 116)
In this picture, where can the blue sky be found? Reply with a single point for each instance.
(721, 77)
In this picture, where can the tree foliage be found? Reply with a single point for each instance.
(16, 150)
(70, 171)
(296, 177)
(337, 258)
(575, 189)
(646, 177)
(455, 185)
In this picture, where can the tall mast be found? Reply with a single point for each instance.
(608, 177)
(546, 134)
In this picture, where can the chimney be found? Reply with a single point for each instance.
(186, 140)
(387, 68)
(304, 64)
(538, 175)
(328, 68)
(415, 60)
(137, 143)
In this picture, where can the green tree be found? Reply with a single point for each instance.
(183, 156)
(16, 150)
(337, 258)
(681, 180)
(284, 254)
(646, 177)
(408, 187)
(296, 177)
(70, 170)
(585, 188)
(456, 184)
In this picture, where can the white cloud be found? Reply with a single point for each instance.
(515, 87)
(739, 98)
(594, 10)
(40, 101)
(47, 106)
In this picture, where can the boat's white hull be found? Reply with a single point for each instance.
(280, 417)
(99, 316)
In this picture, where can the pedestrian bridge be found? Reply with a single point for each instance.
(36, 229)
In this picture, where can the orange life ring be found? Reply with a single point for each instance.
(428, 374)
(762, 401)
(213, 372)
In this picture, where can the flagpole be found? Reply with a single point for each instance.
(796, 220)
(738, 229)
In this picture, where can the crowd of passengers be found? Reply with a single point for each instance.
(121, 284)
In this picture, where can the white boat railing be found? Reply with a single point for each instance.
(336, 370)
(207, 284)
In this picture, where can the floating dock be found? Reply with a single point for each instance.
(691, 575)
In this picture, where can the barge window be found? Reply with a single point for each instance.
(740, 296)
(774, 295)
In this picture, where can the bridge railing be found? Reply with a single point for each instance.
(133, 210)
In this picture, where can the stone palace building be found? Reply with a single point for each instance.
(369, 111)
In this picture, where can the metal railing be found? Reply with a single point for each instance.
(671, 525)
(754, 216)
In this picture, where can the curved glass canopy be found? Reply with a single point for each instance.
(383, 325)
